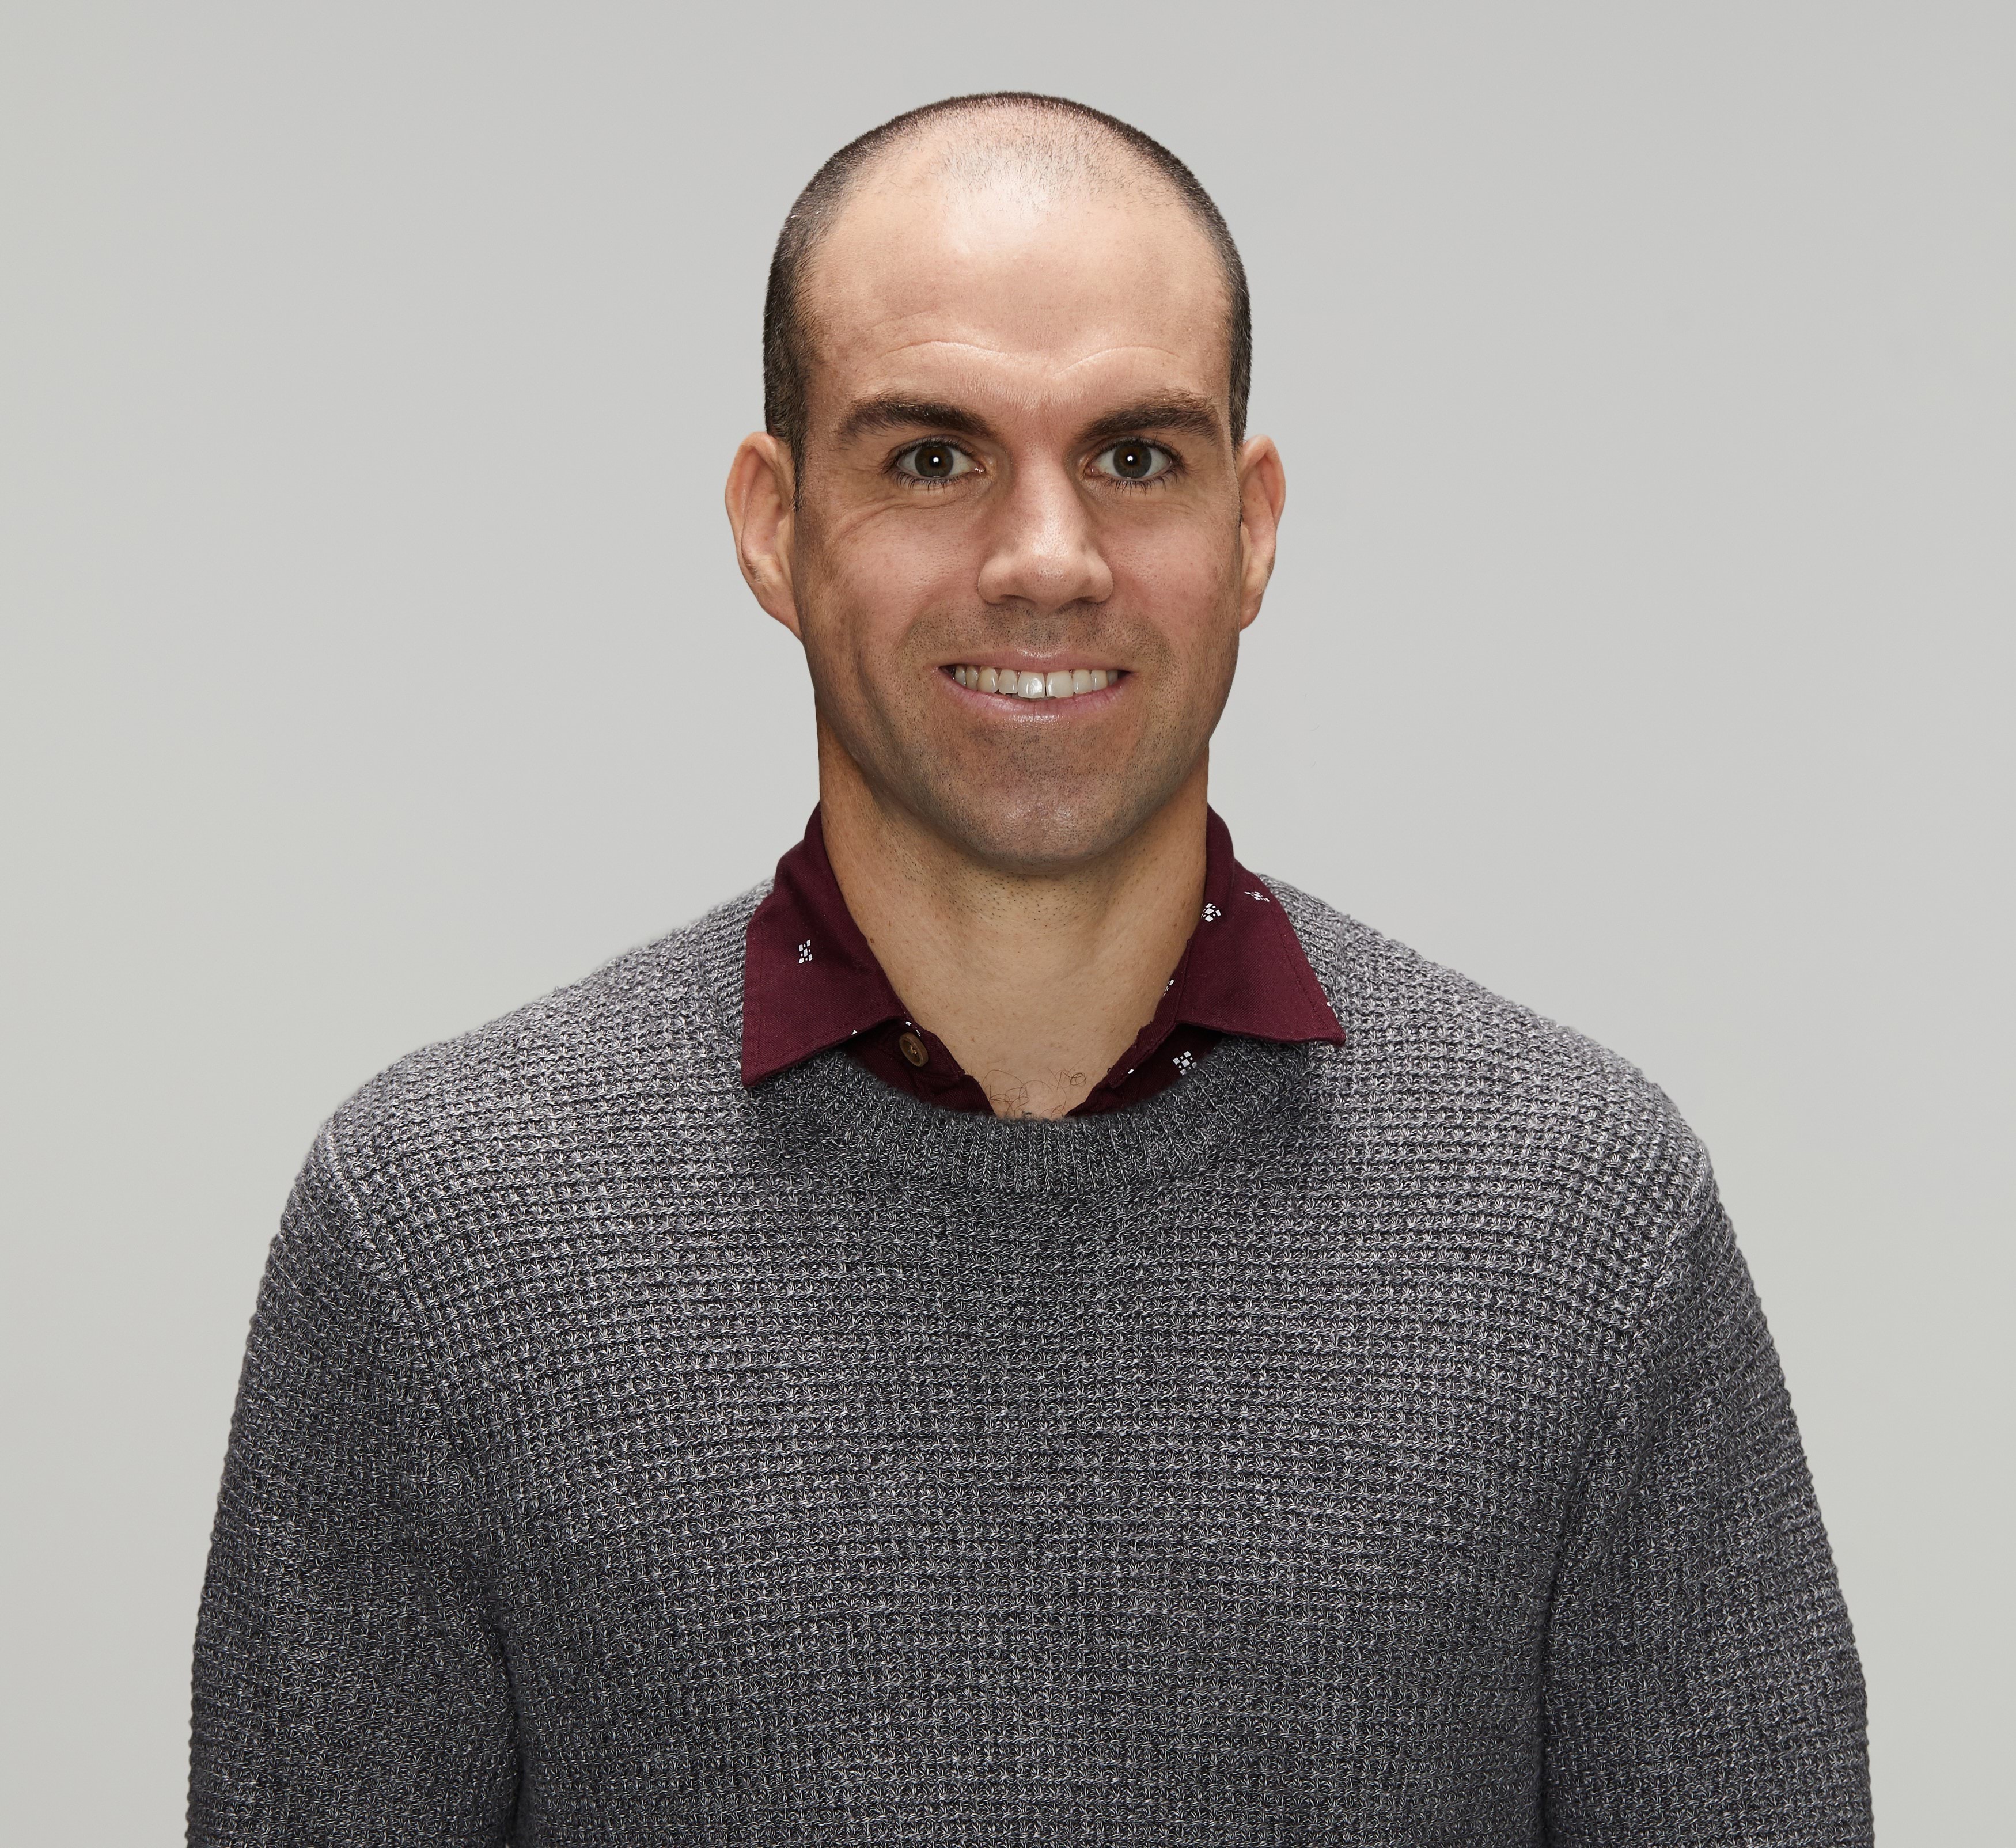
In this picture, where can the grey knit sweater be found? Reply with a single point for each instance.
(1372, 1444)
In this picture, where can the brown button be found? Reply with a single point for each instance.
(912, 1048)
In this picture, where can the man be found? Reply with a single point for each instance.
(1022, 1330)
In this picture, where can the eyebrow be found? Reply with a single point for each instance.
(909, 413)
(1173, 411)
(1176, 411)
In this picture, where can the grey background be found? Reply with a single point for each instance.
(375, 659)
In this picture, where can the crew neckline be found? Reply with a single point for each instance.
(833, 1105)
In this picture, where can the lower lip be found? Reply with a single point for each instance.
(1015, 704)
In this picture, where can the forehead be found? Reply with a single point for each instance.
(1015, 287)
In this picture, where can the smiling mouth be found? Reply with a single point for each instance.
(1064, 683)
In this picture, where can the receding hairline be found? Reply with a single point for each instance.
(1048, 142)
(967, 149)
(970, 141)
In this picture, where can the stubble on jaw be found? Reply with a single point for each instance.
(1017, 799)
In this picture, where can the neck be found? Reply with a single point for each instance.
(1037, 983)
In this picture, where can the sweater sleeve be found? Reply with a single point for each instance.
(348, 1688)
(1702, 1683)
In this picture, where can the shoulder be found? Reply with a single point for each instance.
(1440, 1073)
(545, 1095)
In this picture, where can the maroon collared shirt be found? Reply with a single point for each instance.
(810, 982)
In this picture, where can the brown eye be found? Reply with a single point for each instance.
(1134, 460)
(934, 462)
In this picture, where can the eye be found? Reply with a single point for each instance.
(935, 460)
(1132, 459)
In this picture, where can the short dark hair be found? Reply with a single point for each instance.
(787, 333)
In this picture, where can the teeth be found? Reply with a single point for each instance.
(1066, 683)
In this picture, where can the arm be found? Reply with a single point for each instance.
(1702, 1684)
(348, 1688)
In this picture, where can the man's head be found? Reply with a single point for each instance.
(1005, 360)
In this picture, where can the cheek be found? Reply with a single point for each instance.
(1180, 574)
(877, 577)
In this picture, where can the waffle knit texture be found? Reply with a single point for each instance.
(1373, 1444)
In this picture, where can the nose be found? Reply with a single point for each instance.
(1041, 549)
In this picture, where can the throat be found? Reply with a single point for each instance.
(1037, 985)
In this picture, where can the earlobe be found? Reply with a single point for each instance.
(762, 484)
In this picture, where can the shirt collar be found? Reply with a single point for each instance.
(810, 982)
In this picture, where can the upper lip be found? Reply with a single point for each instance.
(1025, 663)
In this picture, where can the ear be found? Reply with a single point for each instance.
(1263, 492)
(762, 484)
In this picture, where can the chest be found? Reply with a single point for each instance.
(1220, 1416)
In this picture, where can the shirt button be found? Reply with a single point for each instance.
(912, 1048)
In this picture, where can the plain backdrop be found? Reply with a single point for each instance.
(375, 658)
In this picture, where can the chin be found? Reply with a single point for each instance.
(1026, 830)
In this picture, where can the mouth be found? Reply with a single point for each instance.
(1012, 683)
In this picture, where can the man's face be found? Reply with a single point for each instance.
(1018, 464)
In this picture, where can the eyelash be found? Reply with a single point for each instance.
(925, 481)
(1169, 474)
